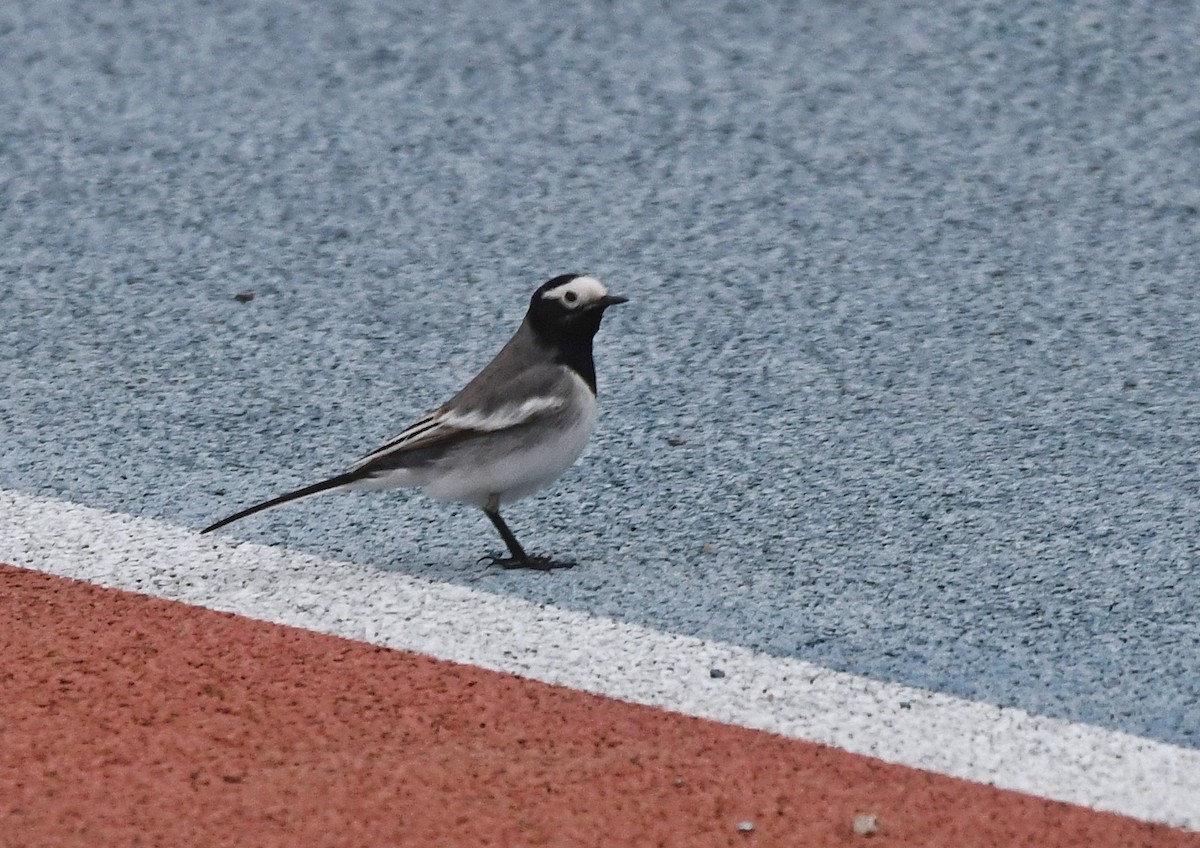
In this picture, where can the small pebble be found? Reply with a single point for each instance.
(746, 827)
(866, 824)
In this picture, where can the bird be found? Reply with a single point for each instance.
(512, 430)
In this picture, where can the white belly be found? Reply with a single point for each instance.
(513, 467)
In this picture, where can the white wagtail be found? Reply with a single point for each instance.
(516, 427)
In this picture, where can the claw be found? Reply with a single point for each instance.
(534, 563)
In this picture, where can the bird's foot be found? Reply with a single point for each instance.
(534, 563)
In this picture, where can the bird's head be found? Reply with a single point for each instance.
(569, 307)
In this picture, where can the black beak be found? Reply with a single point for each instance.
(612, 300)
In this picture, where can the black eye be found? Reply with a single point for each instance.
(570, 297)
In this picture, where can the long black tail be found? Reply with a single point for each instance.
(324, 485)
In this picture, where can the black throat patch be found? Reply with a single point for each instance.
(577, 355)
(571, 342)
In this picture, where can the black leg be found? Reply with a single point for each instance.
(514, 547)
(519, 558)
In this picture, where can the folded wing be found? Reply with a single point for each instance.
(447, 425)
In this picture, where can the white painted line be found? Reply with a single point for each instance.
(1077, 763)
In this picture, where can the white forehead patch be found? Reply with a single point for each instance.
(579, 292)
